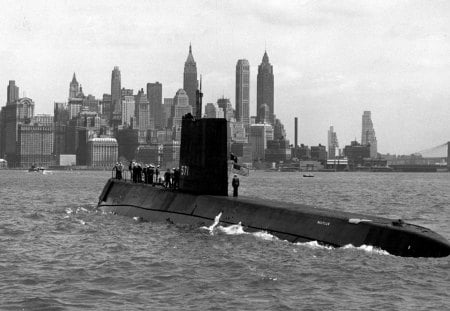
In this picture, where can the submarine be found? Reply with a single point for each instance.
(203, 194)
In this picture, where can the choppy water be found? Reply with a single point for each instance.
(59, 253)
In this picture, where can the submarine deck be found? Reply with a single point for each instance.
(290, 221)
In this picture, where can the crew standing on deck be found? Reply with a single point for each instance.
(235, 184)
(167, 179)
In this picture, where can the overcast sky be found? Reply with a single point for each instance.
(332, 60)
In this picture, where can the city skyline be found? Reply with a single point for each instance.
(327, 70)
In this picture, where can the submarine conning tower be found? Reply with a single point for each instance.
(203, 156)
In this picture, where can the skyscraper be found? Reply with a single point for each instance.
(13, 92)
(74, 87)
(190, 82)
(154, 95)
(142, 112)
(368, 134)
(264, 92)
(243, 92)
(116, 96)
(332, 143)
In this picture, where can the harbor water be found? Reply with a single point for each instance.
(59, 253)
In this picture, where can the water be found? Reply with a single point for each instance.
(59, 253)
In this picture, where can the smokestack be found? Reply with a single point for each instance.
(296, 132)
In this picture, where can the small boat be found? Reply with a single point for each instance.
(308, 175)
(37, 169)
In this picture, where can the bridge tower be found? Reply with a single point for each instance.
(448, 156)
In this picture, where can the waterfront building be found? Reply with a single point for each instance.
(154, 95)
(102, 152)
(34, 145)
(356, 153)
(225, 105)
(12, 92)
(171, 155)
(301, 152)
(278, 151)
(243, 92)
(265, 89)
(333, 144)
(368, 134)
(319, 153)
(190, 82)
(116, 97)
(60, 119)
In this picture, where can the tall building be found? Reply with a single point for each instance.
(264, 92)
(225, 105)
(74, 87)
(258, 137)
(179, 109)
(142, 113)
(128, 107)
(243, 92)
(11, 116)
(332, 143)
(368, 134)
(190, 82)
(154, 95)
(116, 96)
(166, 111)
(213, 111)
(13, 92)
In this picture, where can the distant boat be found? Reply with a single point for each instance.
(36, 169)
(308, 175)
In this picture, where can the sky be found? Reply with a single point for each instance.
(332, 60)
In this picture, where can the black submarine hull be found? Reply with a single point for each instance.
(287, 221)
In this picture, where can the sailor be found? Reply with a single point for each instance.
(130, 169)
(119, 169)
(235, 184)
(176, 178)
(167, 178)
(150, 172)
(145, 173)
(157, 174)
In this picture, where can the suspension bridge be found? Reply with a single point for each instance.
(441, 151)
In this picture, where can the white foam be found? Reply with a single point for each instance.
(81, 209)
(368, 249)
(314, 245)
(69, 211)
(211, 228)
(232, 229)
